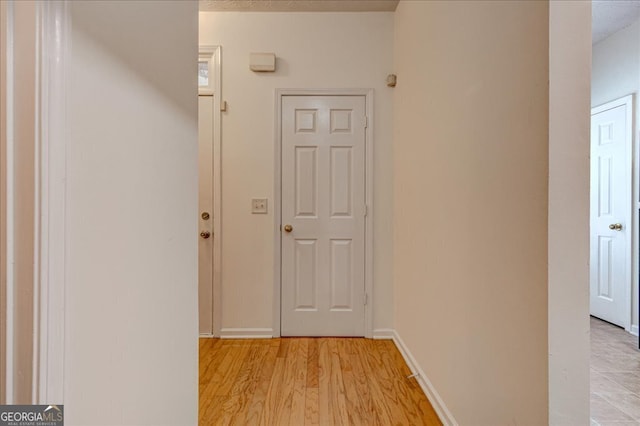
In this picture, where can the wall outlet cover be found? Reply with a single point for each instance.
(259, 206)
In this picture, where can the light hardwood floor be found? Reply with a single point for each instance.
(308, 381)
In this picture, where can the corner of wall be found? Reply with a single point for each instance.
(427, 387)
(568, 215)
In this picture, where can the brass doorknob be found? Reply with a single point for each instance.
(205, 234)
(288, 228)
(615, 227)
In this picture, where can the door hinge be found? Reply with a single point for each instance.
(366, 299)
(366, 121)
(366, 210)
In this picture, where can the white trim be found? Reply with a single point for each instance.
(427, 387)
(369, 170)
(383, 333)
(635, 203)
(3, 281)
(217, 194)
(277, 214)
(635, 330)
(246, 333)
(207, 336)
(214, 53)
(38, 211)
(9, 206)
(369, 235)
(627, 101)
(50, 245)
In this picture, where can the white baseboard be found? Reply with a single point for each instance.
(427, 387)
(206, 336)
(383, 334)
(246, 333)
(634, 330)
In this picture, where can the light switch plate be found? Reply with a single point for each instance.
(259, 206)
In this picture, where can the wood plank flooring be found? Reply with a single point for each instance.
(615, 375)
(308, 381)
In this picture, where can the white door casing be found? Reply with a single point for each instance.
(40, 49)
(323, 150)
(611, 225)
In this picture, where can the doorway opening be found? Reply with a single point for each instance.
(209, 191)
(615, 213)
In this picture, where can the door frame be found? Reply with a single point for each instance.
(277, 206)
(213, 54)
(631, 166)
(48, 116)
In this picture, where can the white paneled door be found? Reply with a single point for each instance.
(323, 215)
(205, 205)
(610, 246)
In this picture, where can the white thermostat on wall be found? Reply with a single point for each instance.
(262, 62)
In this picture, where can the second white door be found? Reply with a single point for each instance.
(205, 206)
(323, 215)
(611, 167)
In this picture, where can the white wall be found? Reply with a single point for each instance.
(131, 290)
(314, 50)
(470, 209)
(3, 198)
(616, 65)
(18, 182)
(24, 162)
(616, 73)
(569, 127)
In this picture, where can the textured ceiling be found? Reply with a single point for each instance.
(299, 5)
(610, 16)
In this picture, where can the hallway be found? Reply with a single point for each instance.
(308, 381)
(615, 376)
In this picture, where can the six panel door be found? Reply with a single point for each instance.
(323, 215)
(610, 215)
